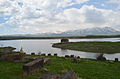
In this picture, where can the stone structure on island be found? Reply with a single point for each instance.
(64, 40)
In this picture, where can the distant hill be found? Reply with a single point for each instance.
(93, 31)
(79, 32)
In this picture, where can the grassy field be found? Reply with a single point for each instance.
(10, 70)
(86, 68)
(97, 47)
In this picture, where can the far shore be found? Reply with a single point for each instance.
(59, 37)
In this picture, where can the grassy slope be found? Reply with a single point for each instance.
(97, 47)
(87, 69)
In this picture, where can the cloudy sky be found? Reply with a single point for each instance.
(40, 16)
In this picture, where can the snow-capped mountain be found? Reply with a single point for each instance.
(93, 31)
(79, 32)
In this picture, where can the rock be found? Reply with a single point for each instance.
(70, 75)
(116, 59)
(49, 54)
(32, 53)
(47, 61)
(67, 56)
(72, 56)
(43, 54)
(55, 54)
(101, 58)
(76, 60)
(78, 57)
(51, 76)
(45, 70)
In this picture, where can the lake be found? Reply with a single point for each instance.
(45, 46)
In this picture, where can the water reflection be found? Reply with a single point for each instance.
(45, 46)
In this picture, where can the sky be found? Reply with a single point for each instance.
(41, 16)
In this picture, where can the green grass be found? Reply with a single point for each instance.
(1, 49)
(96, 47)
(10, 70)
(86, 68)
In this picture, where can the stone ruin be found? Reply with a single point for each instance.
(65, 40)
(35, 65)
(32, 67)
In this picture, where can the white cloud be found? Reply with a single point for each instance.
(37, 16)
(117, 2)
(1, 25)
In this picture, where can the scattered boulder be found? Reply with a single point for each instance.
(55, 54)
(47, 61)
(101, 57)
(67, 56)
(72, 56)
(76, 60)
(116, 60)
(32, 53)
(70, 75)
(78, 57)
(45, 70)
(43, 54)
(49, 54)
(51, 76)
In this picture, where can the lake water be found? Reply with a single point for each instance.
(45, 46)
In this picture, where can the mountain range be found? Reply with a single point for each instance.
(79, 32)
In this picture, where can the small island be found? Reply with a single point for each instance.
(95, 47)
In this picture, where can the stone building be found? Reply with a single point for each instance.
(65, 40)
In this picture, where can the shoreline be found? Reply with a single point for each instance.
(59, 37)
